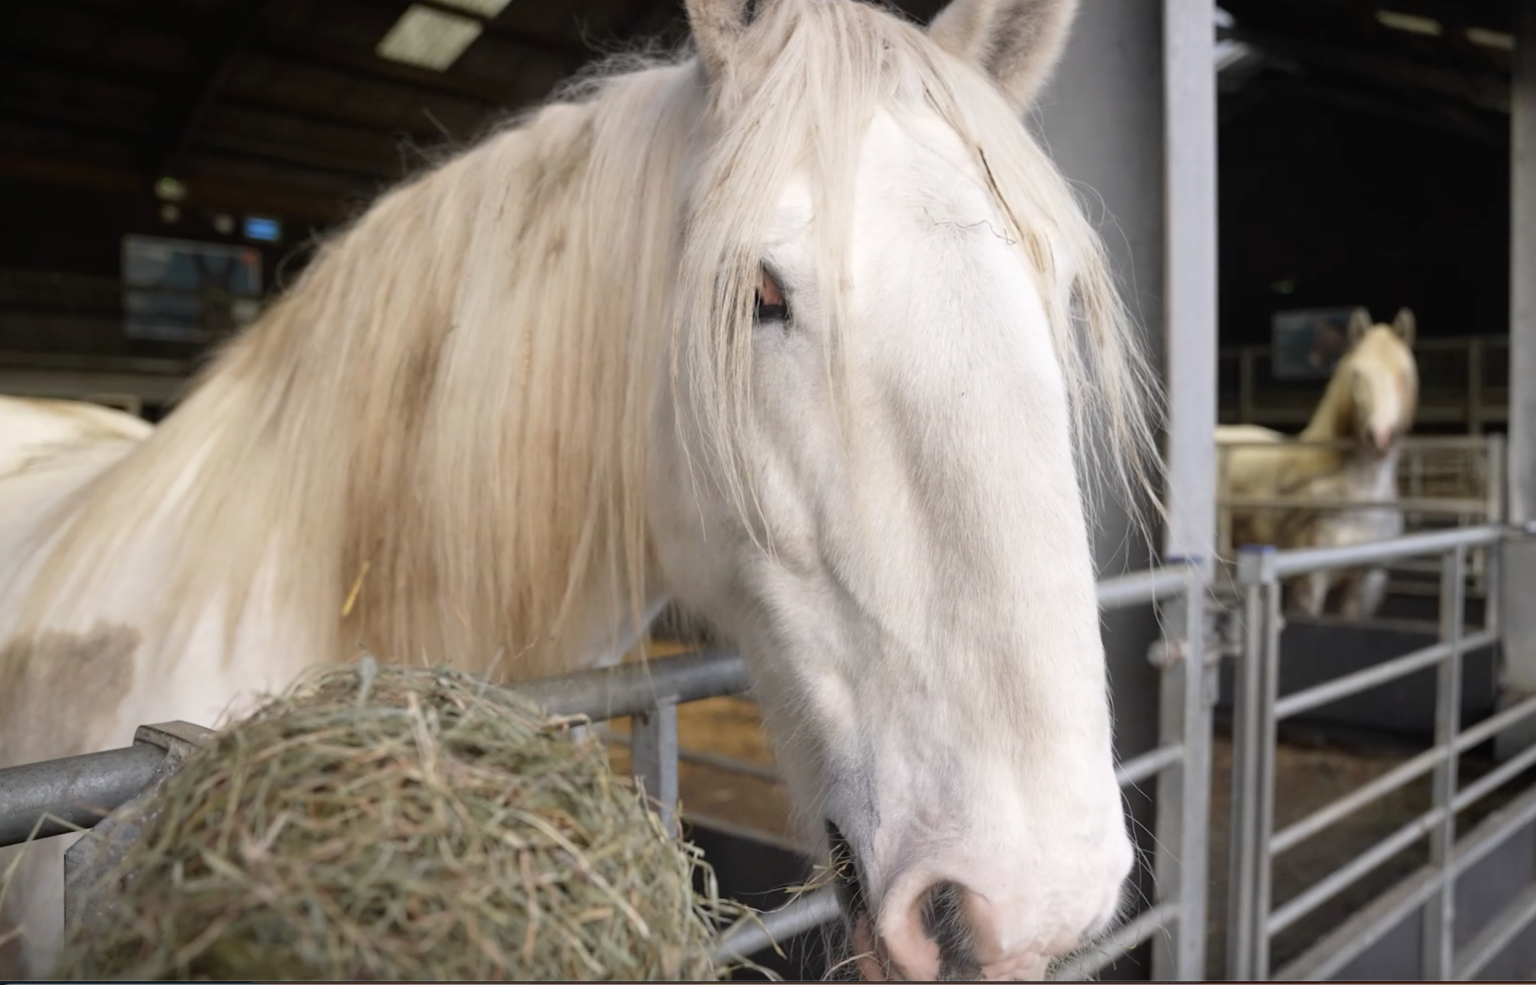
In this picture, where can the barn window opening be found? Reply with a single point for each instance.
(1411, 23)
(429, 38)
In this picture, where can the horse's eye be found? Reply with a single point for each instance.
(769, 305)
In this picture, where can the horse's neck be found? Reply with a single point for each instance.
(1334, 418)
(1374, 474)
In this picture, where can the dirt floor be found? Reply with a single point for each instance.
(1309, 776)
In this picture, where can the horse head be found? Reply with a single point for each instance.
(894, 321)
(1383, 380)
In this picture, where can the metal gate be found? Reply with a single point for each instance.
(1253, 920)
(79, 789)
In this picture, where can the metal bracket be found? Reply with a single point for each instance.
(98, 850)
(1165, 653)
(653, 757)
(178, 739)
(1256, 564)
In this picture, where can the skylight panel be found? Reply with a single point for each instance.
(1491, 39)
(1411, 23)
(428, 38)
(487, 9)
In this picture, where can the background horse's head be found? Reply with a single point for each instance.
(894, 322)
(1380, 382)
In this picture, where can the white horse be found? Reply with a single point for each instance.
(805, 331)
(37, 428)
(1356, 437)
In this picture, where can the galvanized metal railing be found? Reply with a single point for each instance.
(81, 789)
(1253, 920)
(1466, 490)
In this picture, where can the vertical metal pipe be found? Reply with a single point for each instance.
(1264, 810)
(653, 758)
(1475, 386)
(1522, 274)
(1189, 355)
(1183, 791)
(1194, 827)
(1255, 572)
(1170, 878)
(1439, 952)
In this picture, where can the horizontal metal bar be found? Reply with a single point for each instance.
(1141, 587)
(78, 790)
(1119, 943)
(1310, 825)
(635, 688)
(1493, 781)
(1288, 564)
(1490, 727)
(1406, 773)
(1382, 673)
(1148, 764)
(1359, 933)
(104, 781)
(1497, 936)
(1426, 506)
(1341, 879)
(804, 912)
(1409, 445)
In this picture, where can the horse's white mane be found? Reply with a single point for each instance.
(441, 430)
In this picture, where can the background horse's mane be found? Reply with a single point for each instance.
(441, 430)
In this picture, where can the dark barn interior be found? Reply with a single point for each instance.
(1359, 163)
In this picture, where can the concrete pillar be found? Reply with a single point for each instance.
(1102, 120)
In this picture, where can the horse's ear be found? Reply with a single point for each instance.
(1405, 325)
(1017, 42)
(1359, 324)
(717, 26)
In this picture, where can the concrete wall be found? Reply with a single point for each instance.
(1102, 119)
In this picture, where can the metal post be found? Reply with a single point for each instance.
(1475, 386)
(1522, 274)
(1264, 811)
(1498, 499)
(1440, 911)
(1245, 376)
(653, 757)
(1183, 792)
(1246, 937)
(1189, 356)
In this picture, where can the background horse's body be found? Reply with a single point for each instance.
(1348, 451)
(33, 429)
(806, 332)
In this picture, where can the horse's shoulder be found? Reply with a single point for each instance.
(88, 671)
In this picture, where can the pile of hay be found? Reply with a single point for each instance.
(381, 823)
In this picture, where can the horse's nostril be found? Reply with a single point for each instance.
(946, 924)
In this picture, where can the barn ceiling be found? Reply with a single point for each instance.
(297, 106)
(1438, 64)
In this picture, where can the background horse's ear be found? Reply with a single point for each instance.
(716, 26)
(1359, 324)
(1405, 324)
(1017, 42)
